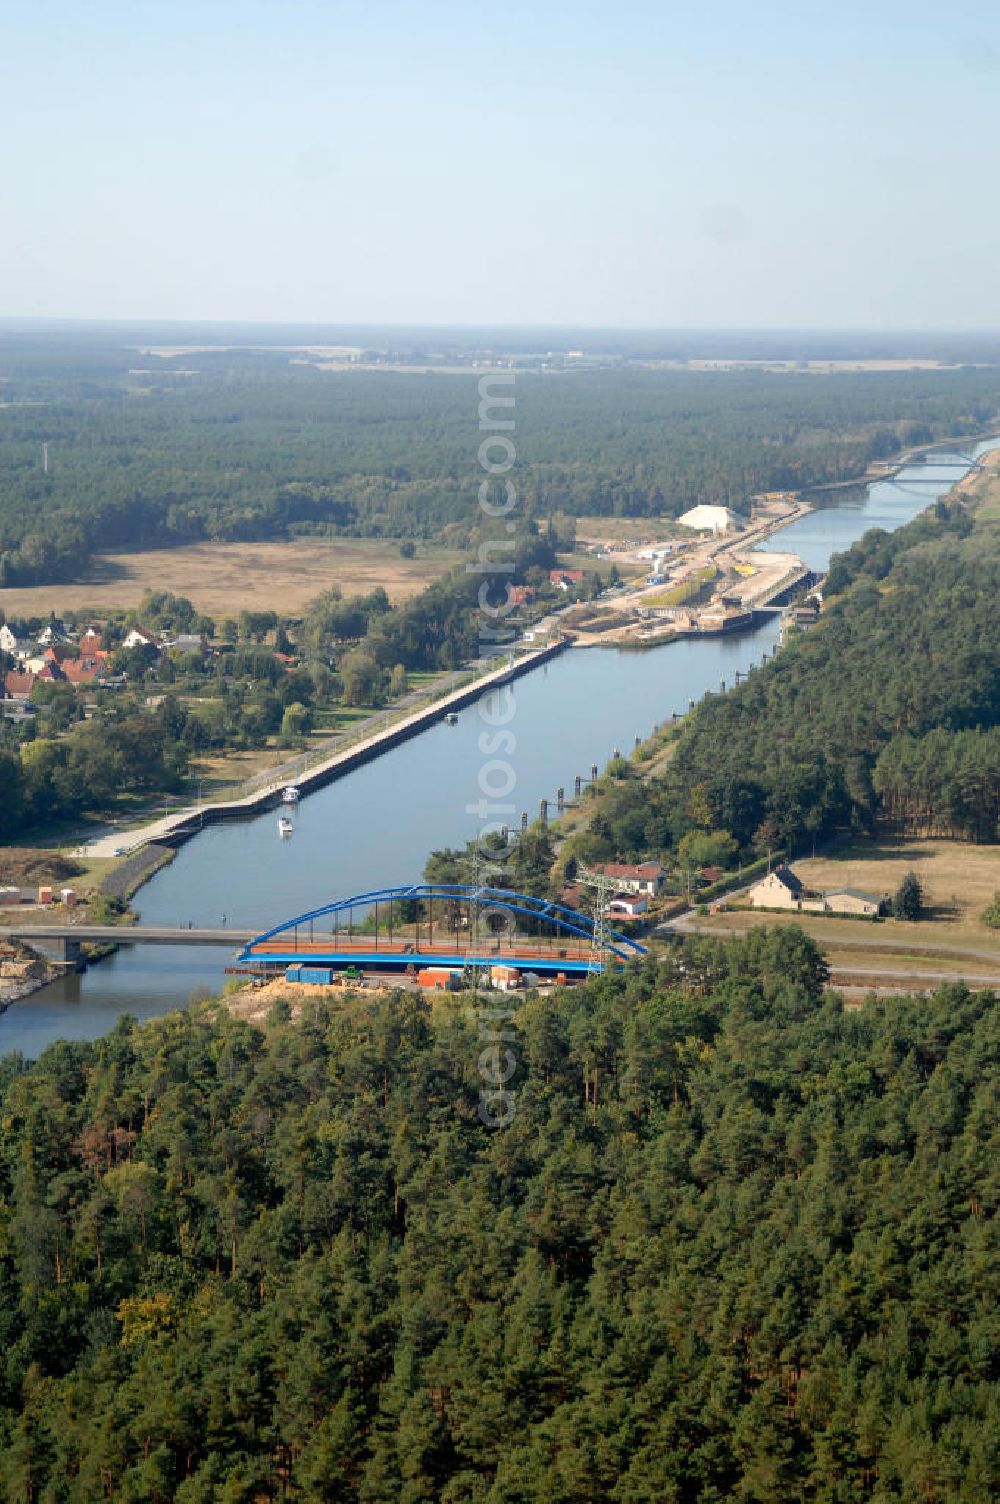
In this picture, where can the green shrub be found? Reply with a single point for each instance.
(991, 914)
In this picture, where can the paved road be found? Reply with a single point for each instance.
(685, 925)
(842, 974)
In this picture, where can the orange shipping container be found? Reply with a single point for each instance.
(436, 976)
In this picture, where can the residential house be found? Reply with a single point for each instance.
(630, 905)
(646, 877)
(780, 889)
(91, 642)
(17, 647)
(140, 638)
(564, 578)
(17, 710)
(18, 685)
(54, 631)
(187, 642)
(853, 901)
(85, 669)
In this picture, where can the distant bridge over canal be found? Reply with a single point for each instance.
(64, 942)
(949, 461)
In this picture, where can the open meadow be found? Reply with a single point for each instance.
(225, 578)
(958, 880)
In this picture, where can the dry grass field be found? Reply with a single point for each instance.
(633, 530)
(225, 578)
(958, 880)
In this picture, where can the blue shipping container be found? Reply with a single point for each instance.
(316, 974)
(292, 973)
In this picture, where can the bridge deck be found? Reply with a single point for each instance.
(397, 954)
(127, 934)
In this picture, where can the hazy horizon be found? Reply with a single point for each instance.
(560, 167)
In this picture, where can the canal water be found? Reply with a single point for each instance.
(376, 826)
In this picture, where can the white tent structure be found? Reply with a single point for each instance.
(708, 519)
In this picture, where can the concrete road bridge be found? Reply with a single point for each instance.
(64, 942)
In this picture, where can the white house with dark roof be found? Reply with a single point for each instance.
(140, 638)
(53, 631)
(17, 647)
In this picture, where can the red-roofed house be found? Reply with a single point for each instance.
(18, 686)
(646, 878)
(565, 577)
(571, 896)
(629, 904)
(91, 642)
(85, 670)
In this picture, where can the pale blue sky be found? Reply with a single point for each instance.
(637, 164)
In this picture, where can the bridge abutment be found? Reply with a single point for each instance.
(61, 951)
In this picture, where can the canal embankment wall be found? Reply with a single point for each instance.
(174, 831)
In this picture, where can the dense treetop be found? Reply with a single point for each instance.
(735, 1243)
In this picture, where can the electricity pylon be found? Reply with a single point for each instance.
(603, 886)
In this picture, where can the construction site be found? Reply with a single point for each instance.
(702, 580)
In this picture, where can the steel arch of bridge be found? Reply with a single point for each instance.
(504, 899)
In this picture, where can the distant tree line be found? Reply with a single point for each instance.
(250, 447)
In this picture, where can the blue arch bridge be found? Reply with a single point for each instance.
(428, 925)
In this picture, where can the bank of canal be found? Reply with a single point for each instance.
(376, 826)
